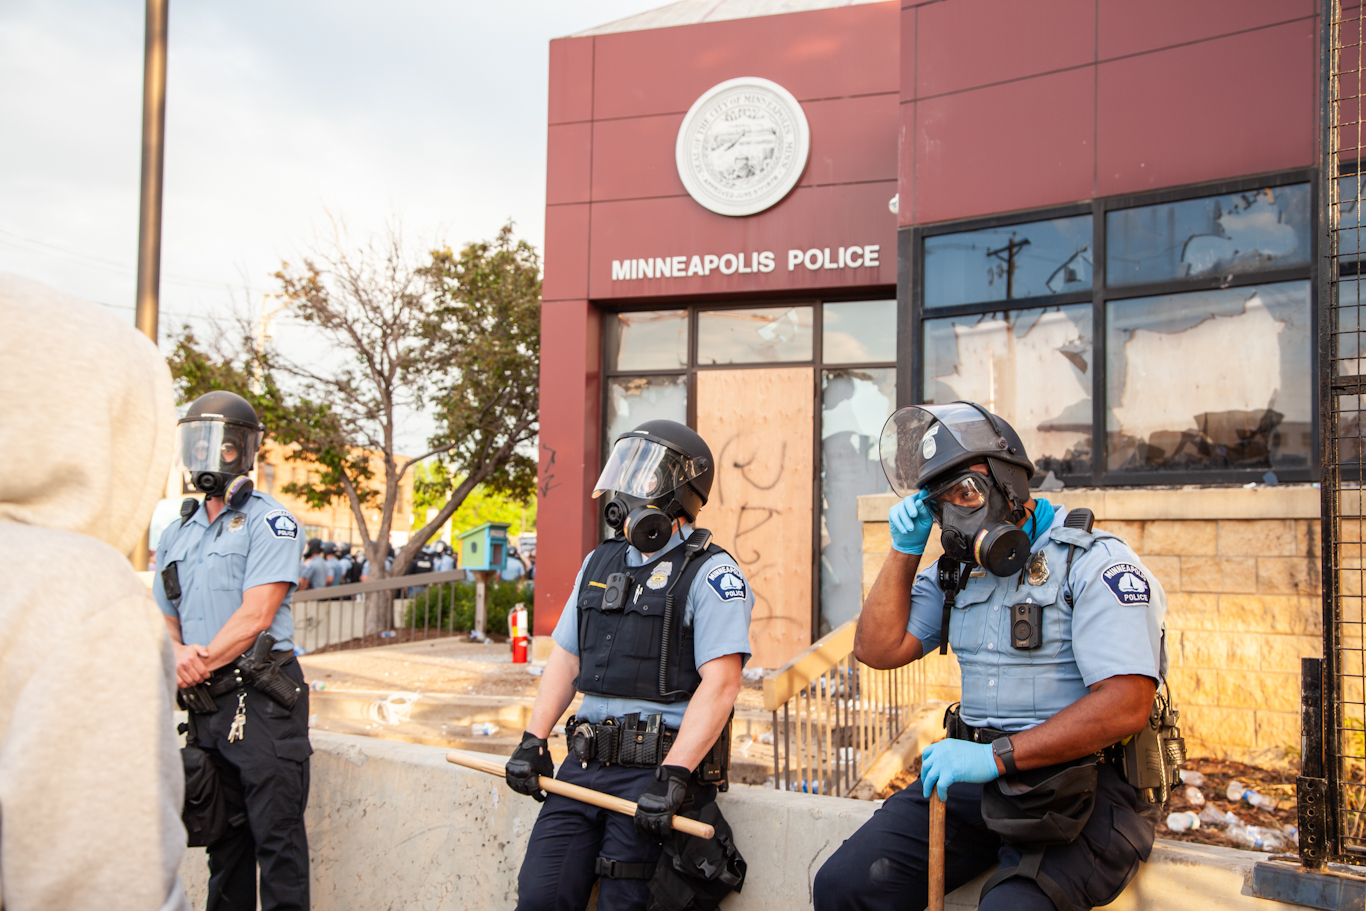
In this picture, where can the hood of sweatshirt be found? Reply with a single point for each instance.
(87, 416)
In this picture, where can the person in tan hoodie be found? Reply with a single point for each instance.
(91, 781)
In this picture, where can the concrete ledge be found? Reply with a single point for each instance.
(393, 825)
(1138, 504)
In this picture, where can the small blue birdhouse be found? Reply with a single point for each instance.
(484, 546)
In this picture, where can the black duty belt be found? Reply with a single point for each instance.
(957, 729)
(626, 741)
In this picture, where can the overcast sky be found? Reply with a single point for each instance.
(277, 113)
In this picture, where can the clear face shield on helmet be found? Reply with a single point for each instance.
(640, 472)
(217, 447)
(911, 439)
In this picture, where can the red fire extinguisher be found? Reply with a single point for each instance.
(517, 629)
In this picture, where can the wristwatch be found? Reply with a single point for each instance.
(1003, 748)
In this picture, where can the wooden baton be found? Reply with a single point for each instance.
(482, 762)
(937, 814)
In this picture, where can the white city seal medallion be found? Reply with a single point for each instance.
(742, 146)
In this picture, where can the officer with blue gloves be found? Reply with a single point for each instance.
(1058, 631)
(655, 635)
(226, 571)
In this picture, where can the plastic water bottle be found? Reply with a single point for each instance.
(1194, 778)
(1235, 790)
(1194, 796)
(1256, 799)
(1212, 817)
(484, 729)
(1183, 822)
(317, 686)
(1257, 838)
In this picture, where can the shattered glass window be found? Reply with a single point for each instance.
(1008, 263)
(858, 332)
(633, 400)
(755, 336)
(1349, 345)
(1210, 380)
(1032, 367)
(1252, 231)
(855, 403)
(648, 340)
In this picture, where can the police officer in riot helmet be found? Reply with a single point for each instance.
(654, 634)
(1047, 767)
(226, 571)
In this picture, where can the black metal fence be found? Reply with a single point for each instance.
(1332, 786)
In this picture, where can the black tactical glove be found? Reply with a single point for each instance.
(656, 807)
(529, 762)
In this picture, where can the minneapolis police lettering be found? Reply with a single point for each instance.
(1127, 583)
(727, 582)
(281, 524)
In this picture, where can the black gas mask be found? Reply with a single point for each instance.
(646, 526)
(977, 522)
(218, 440)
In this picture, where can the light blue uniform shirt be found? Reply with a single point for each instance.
(444, 564)
(1115, 628)
(334, 569)
(315, 571)
(720, 625)
(512, 569)
(217, 562)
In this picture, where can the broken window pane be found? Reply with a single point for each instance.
(1209, 380)
(648, 340)
(858, 332)
(1350, 335)
(1237, 233)
(633, 400)
(1032, 367)
(754, 336)
(1009, 262)
(854, 406)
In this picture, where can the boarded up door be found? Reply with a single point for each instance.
(759, 424)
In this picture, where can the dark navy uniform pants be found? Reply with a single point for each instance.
(569, 837)
(884, 865)
(267, 773)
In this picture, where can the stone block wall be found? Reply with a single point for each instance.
(1241, 569)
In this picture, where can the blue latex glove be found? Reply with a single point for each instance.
(911, 524)
(955, 761)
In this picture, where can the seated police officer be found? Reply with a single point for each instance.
(1058, 630)
(654, 634)
(225, 573)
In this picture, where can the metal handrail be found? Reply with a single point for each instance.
(839, 715)
(333, 592)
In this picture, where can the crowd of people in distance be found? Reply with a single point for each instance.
(326, 563)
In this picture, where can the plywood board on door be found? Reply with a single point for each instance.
(760, 425)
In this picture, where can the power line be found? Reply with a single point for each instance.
(101, 261)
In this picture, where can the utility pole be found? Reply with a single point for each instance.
(1007, 255)
(149, 214)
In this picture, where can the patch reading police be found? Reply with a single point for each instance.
(1127, 583)
(281, 524)
(237, 522)
(728, 584)
(660, 577)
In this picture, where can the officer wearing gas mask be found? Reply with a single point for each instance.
(1058, 629)
(226, 570)
(654, 634)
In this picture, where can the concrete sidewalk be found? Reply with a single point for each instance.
(393, 825)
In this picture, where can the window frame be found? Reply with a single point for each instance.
(818, 367)
(910, 376)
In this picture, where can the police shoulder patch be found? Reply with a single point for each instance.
(1128, 584)
(728, 583)
(281, 524)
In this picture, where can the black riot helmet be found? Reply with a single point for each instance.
(935, 448)
(656, 473)
(218, 438)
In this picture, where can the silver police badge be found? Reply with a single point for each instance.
(660, 577)
(237, 522)
(1038, 568)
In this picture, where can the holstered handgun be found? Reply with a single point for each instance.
(263, 672)
(715, 766)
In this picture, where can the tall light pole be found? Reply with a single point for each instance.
(149, 215)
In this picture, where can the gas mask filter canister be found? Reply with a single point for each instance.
(980, 535)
